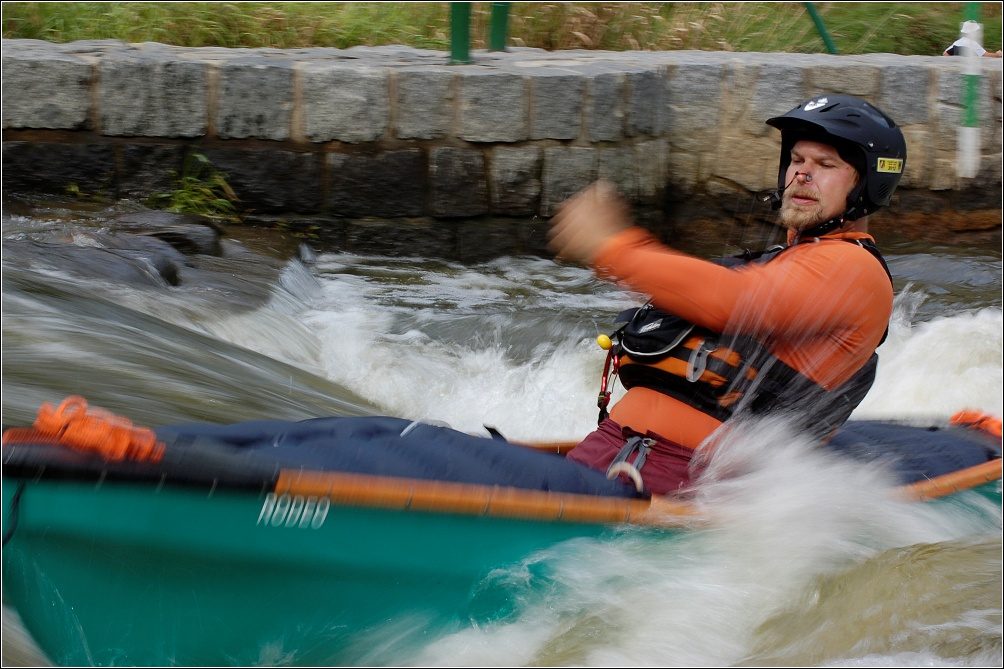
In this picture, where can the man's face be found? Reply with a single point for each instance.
(807, 203)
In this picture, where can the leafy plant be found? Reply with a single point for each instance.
(200, 188)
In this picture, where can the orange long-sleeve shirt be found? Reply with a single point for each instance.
(821, 307)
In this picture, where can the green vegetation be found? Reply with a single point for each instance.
(908, 28)
(199, 189)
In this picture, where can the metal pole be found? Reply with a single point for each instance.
(818, 20)
(460, 32)
(968, 149)
(499, 27)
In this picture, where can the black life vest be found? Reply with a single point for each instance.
(723, 375)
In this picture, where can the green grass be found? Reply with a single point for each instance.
(855, 27)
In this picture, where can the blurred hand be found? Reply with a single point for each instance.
(585, 221)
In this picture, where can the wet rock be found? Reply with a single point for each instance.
(130, 266)
(188, 233)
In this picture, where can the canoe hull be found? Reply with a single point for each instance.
(172, 579)
(332, 541)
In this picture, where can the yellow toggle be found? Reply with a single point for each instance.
(604, 342)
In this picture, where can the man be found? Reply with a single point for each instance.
(793, 332)
(970, 42)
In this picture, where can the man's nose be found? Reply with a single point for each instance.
(805, 177)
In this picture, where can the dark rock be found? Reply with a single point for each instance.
(422, 237)
(188, 233)
(128, 266)
(58, 168)
(270, 181)
(148, 170)
(390, 184)
(457, 183)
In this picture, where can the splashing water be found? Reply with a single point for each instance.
(810, 561)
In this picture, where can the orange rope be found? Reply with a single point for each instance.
(978, 421)
(97, 431)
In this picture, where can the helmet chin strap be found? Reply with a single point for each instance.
(822, 228)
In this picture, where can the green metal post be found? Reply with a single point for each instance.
(499, 26)
(460, 32)
(818, 20)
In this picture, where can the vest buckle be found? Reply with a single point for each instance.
(698, 361)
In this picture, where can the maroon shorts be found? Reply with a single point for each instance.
(667, 467)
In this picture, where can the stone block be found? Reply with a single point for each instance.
(491, 105)
(148, 169)
(693, 109)
(750, 162)
(457, 182)
(652, 158)
(944, 175)
(423, 102)
(388, 184)
(989, 178)
(605, 105)
(484, 239)
(43, 88)
(646, 102)
(270, 180)
(348, 103)
(556, 106)
(904, 93)
(849, 78)
(566, 171)
(515, 180)
(618, 166)
(254, 99)
(949, 111)
(152, 95)
(778, 89)
(919, 153)
(682, 173)
(423, 237)
(45, 167)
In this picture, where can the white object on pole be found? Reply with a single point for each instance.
(968, 146)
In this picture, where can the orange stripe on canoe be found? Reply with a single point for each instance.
(483, 500)
(947, 484)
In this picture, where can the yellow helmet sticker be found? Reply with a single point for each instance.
(889, 165)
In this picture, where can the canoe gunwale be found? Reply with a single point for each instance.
(429, 496)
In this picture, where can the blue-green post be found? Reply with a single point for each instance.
(821, 27)
(460, 32)
(499, 27)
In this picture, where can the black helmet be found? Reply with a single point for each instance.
(864, 136)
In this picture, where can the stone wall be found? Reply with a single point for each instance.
(396, 132)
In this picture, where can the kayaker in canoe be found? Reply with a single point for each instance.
(793, 330)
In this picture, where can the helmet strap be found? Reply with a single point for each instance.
(853, 213)
(823, 228)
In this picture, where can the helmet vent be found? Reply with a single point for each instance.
(883, 191)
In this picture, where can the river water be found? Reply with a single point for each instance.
(812, 565)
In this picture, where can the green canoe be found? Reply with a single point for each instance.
(278, 542)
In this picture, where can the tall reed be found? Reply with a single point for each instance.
(908, 28)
